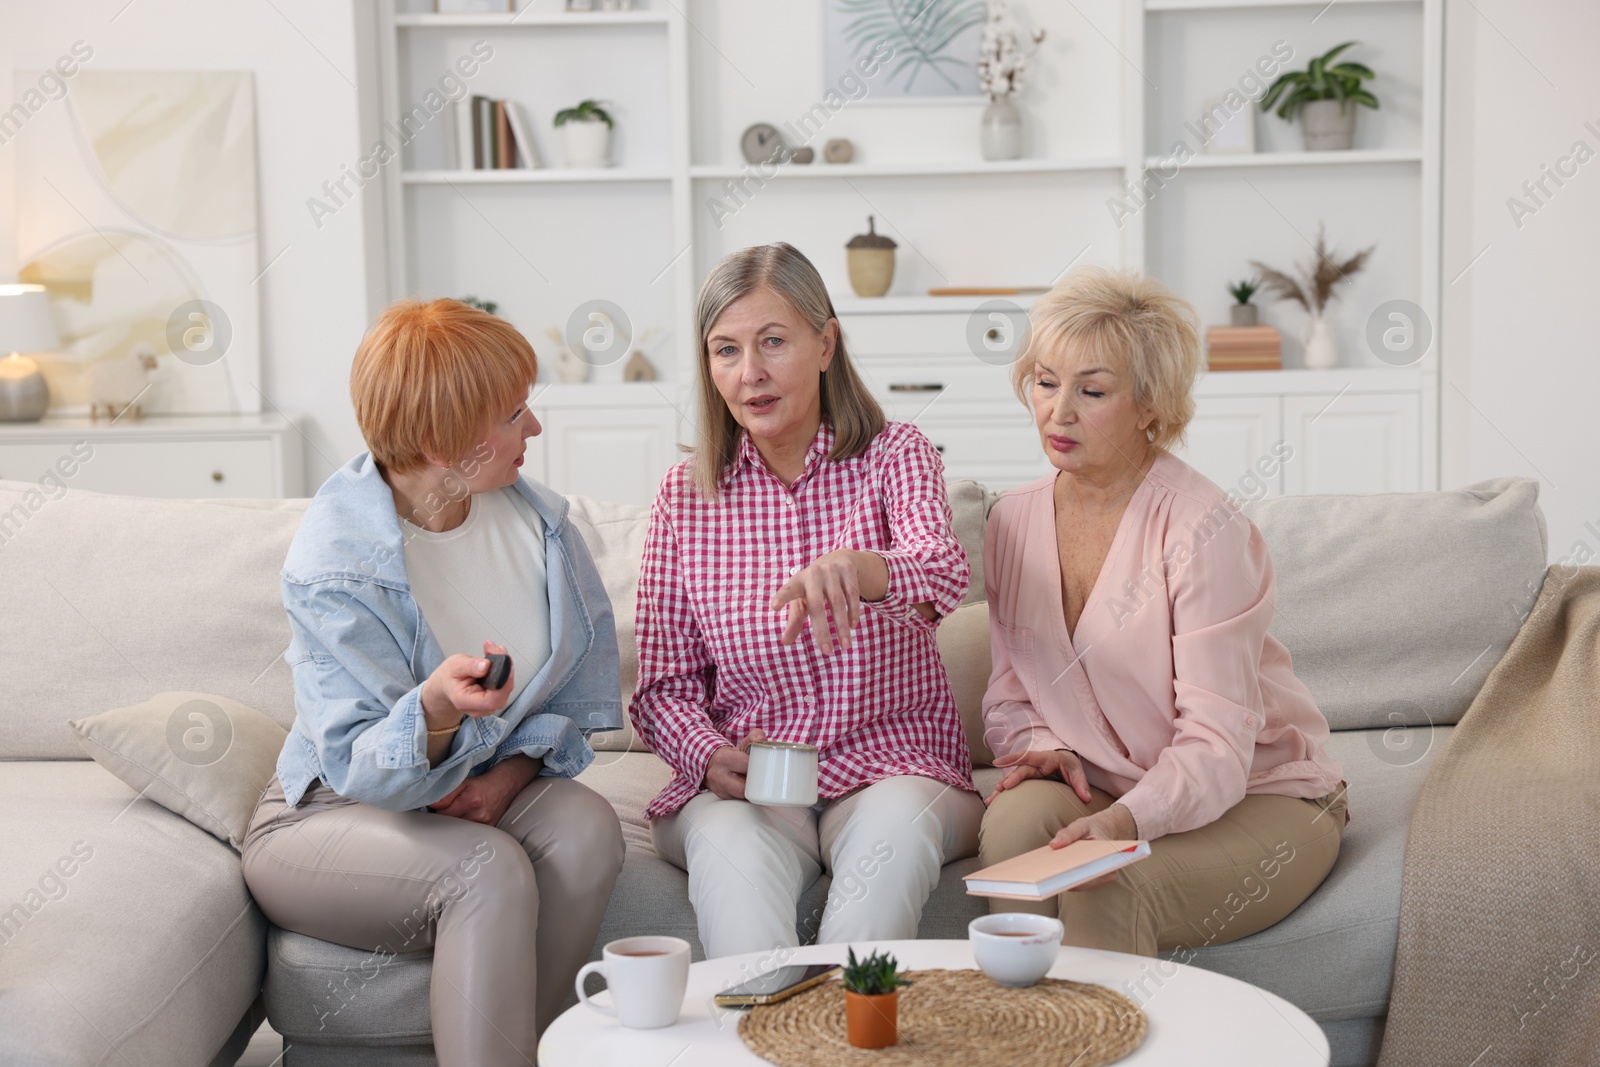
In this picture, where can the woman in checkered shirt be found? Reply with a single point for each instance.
(796, 567)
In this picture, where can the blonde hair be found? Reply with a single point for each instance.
(846, 403)
(430, 378)
(1133, 319)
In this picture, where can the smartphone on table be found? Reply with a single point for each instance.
(777, 985)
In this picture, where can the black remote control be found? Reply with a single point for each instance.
(499, 671)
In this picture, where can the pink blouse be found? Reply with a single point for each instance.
(1170, 690)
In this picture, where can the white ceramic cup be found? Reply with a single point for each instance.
(782, 774)
(1014, 948)
(646, 976)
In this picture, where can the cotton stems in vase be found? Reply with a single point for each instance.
(1000, 68)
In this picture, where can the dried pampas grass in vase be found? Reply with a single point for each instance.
(1314, 290)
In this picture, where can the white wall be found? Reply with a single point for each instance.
(1522, 368)
(314, 299)
(1521, 355)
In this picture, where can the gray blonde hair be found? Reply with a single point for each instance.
(846, 403)
(1153, 333)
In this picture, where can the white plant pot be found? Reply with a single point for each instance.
(1324, 128)
(1322, 352)
(587, 144)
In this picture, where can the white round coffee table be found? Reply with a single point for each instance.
(1197, 1018)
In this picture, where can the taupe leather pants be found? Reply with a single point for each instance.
(510, 911)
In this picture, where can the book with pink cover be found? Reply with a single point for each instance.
(1046, 871)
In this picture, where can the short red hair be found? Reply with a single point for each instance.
(430, 378)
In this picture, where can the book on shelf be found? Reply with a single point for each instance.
(464, 135)
(1227, 363)
(1244, 348)
(1047, 871)
(493, 135)
(482, 132)
(522, 133)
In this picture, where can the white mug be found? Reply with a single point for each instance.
(646, 976)
(1015, 948)
(782, 774)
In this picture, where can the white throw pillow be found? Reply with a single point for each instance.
(201, 756)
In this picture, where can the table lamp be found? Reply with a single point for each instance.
(26, 325)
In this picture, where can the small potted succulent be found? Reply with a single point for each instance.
(1244, 313)
(1325, 96)
(872, 1000)
(586, 134)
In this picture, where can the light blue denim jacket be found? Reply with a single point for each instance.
(360, 651)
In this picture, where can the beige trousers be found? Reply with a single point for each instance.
(510, 911)
(883, 845)
(1258, 862)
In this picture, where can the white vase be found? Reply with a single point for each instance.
(587, 144)
(1002, 130)
(1321, 350)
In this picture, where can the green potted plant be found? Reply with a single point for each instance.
(1324, 95)
(586, 134)
(1244, 313)
(872, 1000)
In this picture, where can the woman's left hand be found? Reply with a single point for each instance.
(831, 583)
(1115, 823)
(484, 799)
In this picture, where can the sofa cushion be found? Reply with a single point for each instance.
(201, 756)
(321, 993)
(630, 780)
(614, 534)
(127, 596)
(964, 647)
(1333, 957)
(127, 934)
(1396, 606)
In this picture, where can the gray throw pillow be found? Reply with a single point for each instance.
(201, 756)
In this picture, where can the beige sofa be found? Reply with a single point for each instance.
(151, 951)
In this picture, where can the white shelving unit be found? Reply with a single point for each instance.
(685, 78)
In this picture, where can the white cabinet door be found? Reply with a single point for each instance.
(1232, 440)
(1353, 443)
(613, 454)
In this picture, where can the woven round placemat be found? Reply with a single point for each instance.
(956, 1018)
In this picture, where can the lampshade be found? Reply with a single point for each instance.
(26, 324)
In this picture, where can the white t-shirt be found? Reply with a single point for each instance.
(485, 579)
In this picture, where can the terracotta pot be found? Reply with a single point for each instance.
(872, 1021)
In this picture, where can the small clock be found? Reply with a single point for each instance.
(761, 142)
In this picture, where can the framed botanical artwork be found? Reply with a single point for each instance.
(931, 47)
(472, 7)
(1233, 129)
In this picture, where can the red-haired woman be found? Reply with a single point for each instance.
(414, 807)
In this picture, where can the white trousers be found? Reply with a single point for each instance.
(883, 845)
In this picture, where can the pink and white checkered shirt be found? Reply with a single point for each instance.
(710, 665)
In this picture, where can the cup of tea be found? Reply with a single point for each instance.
(782, 774)
(646, 976)
(1014, 948)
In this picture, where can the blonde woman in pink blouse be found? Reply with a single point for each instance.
(1136, 693)
(794, 572)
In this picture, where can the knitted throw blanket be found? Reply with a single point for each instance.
(1498, 961)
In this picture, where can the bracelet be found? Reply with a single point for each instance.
(448, 729)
